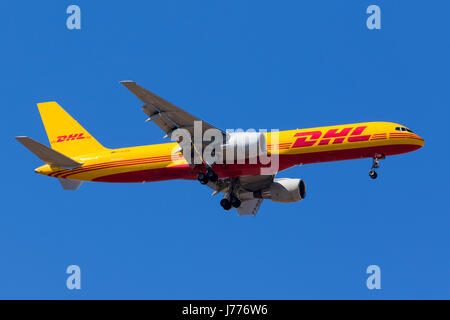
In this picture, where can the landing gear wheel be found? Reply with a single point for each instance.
(373, 174)
(375, 165)
(202, 178)
(235, 202)
(212, 176)
(226, 204)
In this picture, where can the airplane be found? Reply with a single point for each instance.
(76, 156)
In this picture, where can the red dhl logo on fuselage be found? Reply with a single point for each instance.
(335, 136)
(70, 137)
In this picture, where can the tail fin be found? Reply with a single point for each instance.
(64, 133)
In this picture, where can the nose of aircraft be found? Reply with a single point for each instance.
(422, 141)
(418, 140)
(411, 138)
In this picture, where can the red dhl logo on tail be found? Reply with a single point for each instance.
(308, 139)
(70, 137)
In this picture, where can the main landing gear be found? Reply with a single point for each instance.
(228, 204)
(230, 200)
(210, 175)
(375, 165)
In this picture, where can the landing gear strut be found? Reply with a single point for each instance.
(375, 165)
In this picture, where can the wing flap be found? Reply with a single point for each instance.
(249, 207)
(154, 115)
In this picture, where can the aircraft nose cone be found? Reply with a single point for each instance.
(423, 140)
(419, 139)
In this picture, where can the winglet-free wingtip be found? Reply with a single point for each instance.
(125, 82)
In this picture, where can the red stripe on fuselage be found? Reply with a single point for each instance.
(237, 170)
(113, 164)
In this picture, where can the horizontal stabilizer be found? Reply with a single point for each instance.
(68, 184)
(48, 155)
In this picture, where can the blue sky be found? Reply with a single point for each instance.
(235, 64)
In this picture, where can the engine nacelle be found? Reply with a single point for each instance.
(245, 145)
(283, 190)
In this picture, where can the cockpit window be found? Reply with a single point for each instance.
(403, 129)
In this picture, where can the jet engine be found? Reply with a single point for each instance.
(283, 190)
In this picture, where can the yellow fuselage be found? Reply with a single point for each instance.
(302, 146)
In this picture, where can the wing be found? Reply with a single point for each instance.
(169, 118)
(166, 116)
(244, 187)
(248, 185)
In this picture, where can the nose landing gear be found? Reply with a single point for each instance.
(375, 165)
(373, 174)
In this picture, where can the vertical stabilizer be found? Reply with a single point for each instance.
(65, 134)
